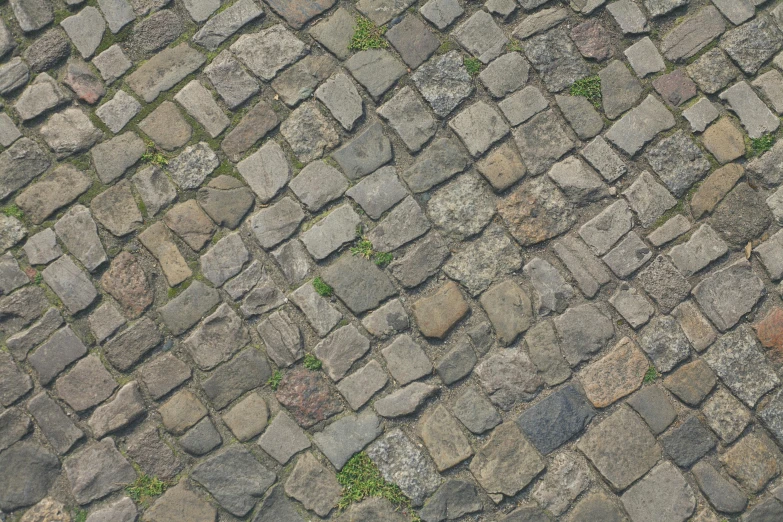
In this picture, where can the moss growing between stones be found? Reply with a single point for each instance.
(367, 35)
(589, 88)
(145, 487)
(311, 362)
(472, 65)
(322, 288)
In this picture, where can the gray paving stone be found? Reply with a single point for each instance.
(376, 69)
(508, 378)
(244, 372)
(358, 387)
(701, 114)
(420, 261)
(728, 294)
(754, 115)
(230, 80)
(342, 99)
(164, 70)
(444, 82)
(283, 438)
(59, 430)
(632, 305)
(540, 22)
(32, 14)
(268, 51)
(43, 94)
(688, 442)
(70, 284)
(640, 125)
(444, 440)
(405, 360)
(224, 260)
(753, 43)
(462, 208)
(358, 283)
(481, 37)
(276, 223)
(111, 63)
(227, 22)
(369, 150)
(347, 436)
(13, 75)
(663, 482)
(378, 192)
(621, 463)
(560, 416)
(541, 142)
(319, 313)
(42, 247)
(603, 231)
(479, 126)
(126, 407)
(162, 374)
(408, 116)
(457, 363)
(693, 34)
(317, 184)
(441, 13)
(294, 261)
(404, 401)
(309, 133)
(509, 309)
(649, 199)
(125, 349)
(581, 115)
(556, 59)
(97, 470)
(300, 80)
(505, 74)
(85, 30)
(544, 349)
(56, 354)
(661, 7)
(69, 132)
(678, 162)
(166, 127)
(332, 232)
(628, 16)
(335, 32)
(584, 330)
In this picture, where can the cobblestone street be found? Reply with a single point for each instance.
(391, 260)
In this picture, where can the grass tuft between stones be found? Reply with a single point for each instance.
(650, 375)
(759, 146)
(322, 288)
(365, 249)
(589, 88)
(144, 488)
(79, 514)
(361, 478)
(154, 156)
(311, 362)
(367, 35)
(472, 65)
(274, 380)
(13, 211)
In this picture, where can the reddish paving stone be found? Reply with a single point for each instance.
(675, 88)
(592, 40)
(435, 315)
(127, 283)
(770, 333)
(307, 397)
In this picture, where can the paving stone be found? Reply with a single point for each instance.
(481, 37)
(628, 16)
(198, 102)
(461, 209)
(112, 63)
(640, 125)
(508, 378)
(239, 286)
(701, 114)
(771, 86)
(475, 412)
(649, 199)
(319, 313)
(378, 192)
(226, 200)
(309, 133)
(406, 361)
(340, 349)
(126, 407)
(509, 309)
(69, 132)
(692, 382)
(601, 157)
(313, 485)
(436, 314)
(187, 308)
(408, 116)
(157, 239)
(663, 482)
(696, 327)
(768, 333)
(117, 112)
(227, 22)
(445, 442)
(669, 231)
(182, 411)
(268, 51)
(85, 30)
(335, 32)
(163, 374)
(545, 353)
(332, 232)
(580, 114)
(655, 408)
(615, 375)
(156, 31)
(118, 14)
(441, 13)
(621, 464)
(358, 283)
(300, 81)
(540, 22)
(752, 461)
(523, 105)
(704, 247)
(283, 438)
(381, 11)
(421, 261)
(665, 343)
(318, 184)
(52, 192)
(22, 308)
(70, 283)
(123, 510)
(47, 509)
(97, 470)
(11, 277)
(307, 397)
(282, 338)
(688, 442)
(13, 75)
(505, 75)
(566, 479)
(553, 421)
(190, 222)
(19, 164)
(277, 222)
(661, 7)
(56, 354)
(440, 161)
(231, 81)
(244, 372)
(277, 507)
(266, 171)
(37, 470)
(7, 41)
(8, 131)
(584, 330)
(166, 127)
(347, 436)
(502, 167)
(360, 386)
(179, 504)
(556, 59)
(753, 113)
(116, 209)
(413, 41)
(218, 337)
(342, 99)
(728, 294)
(77, 230)
(404, 401)
(200, 10)
(235, 478)
(629, 254)
(83, 82)
(105, 320)
(125, 349)
(32, 15)
(247, 418)
(40, 96)
(597, 506)
(605, 229)
(15, 382)
(224, 260)
(369, 150)
(376, 69)
(479, 126)
(734, 357)
(753, 43)
(164, 70)
(453, 499)
(552, 290)
(20, 344)
(675, 88)
(457, 363)
(725, 141)
(507, 462)
(722, 493)
(693, 34)
(593, 40)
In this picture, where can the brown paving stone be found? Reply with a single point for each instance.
(437, 314)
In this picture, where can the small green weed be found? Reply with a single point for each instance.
(274, 380)
(311, 362)
(759, 146)
(383, 258)
(513, 45)
(145, 488)
(38, 279)
(472, 65)
(650, 375)
(589, 88)
(367, 35)
(13, 211)
(154, 156)
(363, 248)
(79, 514)
(322, 288)
(360, 479)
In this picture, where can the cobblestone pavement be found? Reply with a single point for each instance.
(518, 257)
